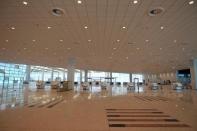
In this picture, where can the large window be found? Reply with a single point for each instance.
(138, 76)
(98, 75)
(47, 73)
(12, 73)
(121, 77)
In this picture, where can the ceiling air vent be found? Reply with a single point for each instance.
(155, 11)
(131, 43)
(57, 12)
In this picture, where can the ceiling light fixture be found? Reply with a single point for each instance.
(61, 40)
(33, 40)
(160, 48)
(68, 48)
(13, 28)
(85, 27)
(161, 27)
(49, 27)
(191, 2)
(127, 57)
(123, 27)
(138, 48)
(114, 48)
(79, 2)
(6, 40)
(135, 2)
(118, 40)
(89, 40)
(147, 40)
(175, 41)
(25, 3)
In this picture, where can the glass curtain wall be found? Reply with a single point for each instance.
(138, 76)
(98, 75)
(121, 77)
(12, 74)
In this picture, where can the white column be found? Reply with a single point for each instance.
(28, 71)
(71, 72)
(64, 77)
(80, 76)
(111, 77)
(195, 73)
(52, 74)
(42, 74)
(86, 75)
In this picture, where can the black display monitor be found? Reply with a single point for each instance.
(185, 71)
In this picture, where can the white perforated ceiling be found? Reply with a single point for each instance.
(146, 44)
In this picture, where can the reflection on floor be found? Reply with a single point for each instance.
(97, 109)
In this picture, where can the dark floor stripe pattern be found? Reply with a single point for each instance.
(151, 98)
(141, 118)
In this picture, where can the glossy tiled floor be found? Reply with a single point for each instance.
(114, 109)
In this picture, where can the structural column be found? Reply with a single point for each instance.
(111, 77)
(28, 71)
(81, 76)
(42, 74)
(64, 77)
(86, 75)
(130, 77)
(52, 74)
(71, 72)
(194, 74)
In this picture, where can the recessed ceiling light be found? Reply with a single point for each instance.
(114, 48)
(85, 27)
(25, 2)
(147, 40)
(123, 27)
(89, 40)
(49, 27)
(13, 28)
(137, 48)
(135, 2)
(118, 40)
(57, 12)
(161, 27)
(127, 57)
(33, 40)
(61, 40)
(79, 1)
(191, 2)
(6, 40)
